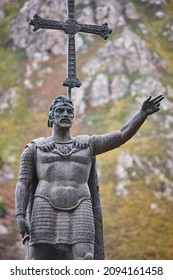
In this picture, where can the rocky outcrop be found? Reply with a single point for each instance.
(3, 230)
(2, 13)
(130, 54)
(6, 174)
(130, 12)
(3, 2)
(8, 99)
(134, 62)
(154, 3)
(129, 166)
(49, 42)
(123, 66)
(134, 71)
(35, 43)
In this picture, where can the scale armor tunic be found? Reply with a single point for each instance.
(48, 224)
(81, 224)
(52, 226)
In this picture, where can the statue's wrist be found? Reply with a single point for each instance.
(143, 113)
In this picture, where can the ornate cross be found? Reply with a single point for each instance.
(71, 27)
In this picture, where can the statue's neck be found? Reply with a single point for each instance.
(61, 134)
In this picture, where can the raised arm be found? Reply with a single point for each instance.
(149, 107)
(107, 142)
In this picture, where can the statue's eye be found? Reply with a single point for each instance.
(69, 111)
(59, 110)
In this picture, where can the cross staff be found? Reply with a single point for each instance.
(70, 27)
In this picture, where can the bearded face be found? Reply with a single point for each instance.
(63, 116)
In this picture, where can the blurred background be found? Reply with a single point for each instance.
(136, 180)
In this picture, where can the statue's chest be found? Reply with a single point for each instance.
(64, 153)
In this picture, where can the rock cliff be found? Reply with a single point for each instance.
(117, 75)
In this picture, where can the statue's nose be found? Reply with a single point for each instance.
(65, 114)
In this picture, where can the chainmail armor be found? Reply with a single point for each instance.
(26, 165)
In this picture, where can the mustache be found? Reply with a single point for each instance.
(65, 119)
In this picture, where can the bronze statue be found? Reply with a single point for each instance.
(58, 184)
(57, 195)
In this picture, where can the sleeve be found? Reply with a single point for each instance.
(104, 143)
(26, 170)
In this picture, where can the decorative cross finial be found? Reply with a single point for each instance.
(71, 27)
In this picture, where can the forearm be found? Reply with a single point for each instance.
(129, 129)
(104, 143)
(22, 197)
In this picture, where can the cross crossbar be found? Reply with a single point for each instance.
(70, 27)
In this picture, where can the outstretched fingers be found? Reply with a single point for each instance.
(156, 102)
(152, 105)
(149, 98)
(157, 99)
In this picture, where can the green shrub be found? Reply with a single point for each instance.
(1, 162)
(3, 208)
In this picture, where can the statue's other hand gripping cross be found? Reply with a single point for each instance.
(71, 27)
